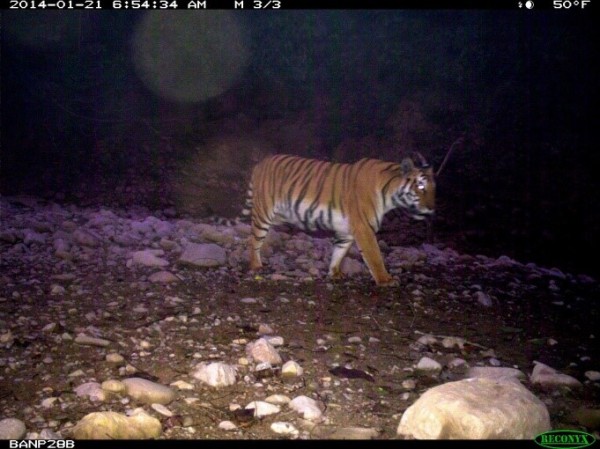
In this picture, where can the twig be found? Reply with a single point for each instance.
(461, 139)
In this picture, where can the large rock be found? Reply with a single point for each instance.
(478, 408)
(203, 255)
(115, 426)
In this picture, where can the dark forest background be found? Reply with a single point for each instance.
(512, 90)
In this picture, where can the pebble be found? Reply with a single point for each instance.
(278, 399)
(227, 425)
(216, 374)
(262, 408)
(92, 390)
(428, 364)
(148, 392)
(83, 339)
(262, 351)
(291, 369)
(284, 428)
(159, 408)
(307, 407)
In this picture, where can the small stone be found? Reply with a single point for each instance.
(278, 399)
(83, 339)
(495, 372)
(284, 428)
(265, 329)
(428, 364)
(548, 377)
(148, 392)
(113, 386)
(450, 342)
(248, 300)
(115, 359)
(291, 369)
(163, 277)
(262, 408)
(409, 384)
(91, 390)
(216, 374)
(307, 407)
(427, 340)
(354, 340)
(592, 375)
(483, 299)
(227, 425)
(159, 408)
(262, 351)
(182, 385)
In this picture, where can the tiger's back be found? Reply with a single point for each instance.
(348, 199)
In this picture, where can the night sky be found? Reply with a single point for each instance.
(93, 100)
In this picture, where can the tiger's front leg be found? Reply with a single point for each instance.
(369, 249)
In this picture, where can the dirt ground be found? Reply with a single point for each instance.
(164, 330)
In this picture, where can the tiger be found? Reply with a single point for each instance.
(349, 199)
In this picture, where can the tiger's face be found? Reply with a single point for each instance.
(418, 194)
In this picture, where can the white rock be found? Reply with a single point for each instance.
(203, 255)
(159, 408)
(495, 372)
(12, 429)
(182, 385)
(113, 386)
(428, 364)
(456, 362)
(284, 428)
(278, 399)
(114, 358)
(450, 342)
(549, 377)
(163, 277)
(149, 258)
(307, 407)
(115, 426)
(262, 351)
(49, 402)
(227, 425)
(291, 369)
(91, 390)
(83, 339)
(427, 340)
(249, 300)
(148, 392)
(275, 341)
(216, 374)
(592, 375)
(483, 299)
(262, 408)
(478, 408)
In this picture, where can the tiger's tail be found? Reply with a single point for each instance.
(247, 210)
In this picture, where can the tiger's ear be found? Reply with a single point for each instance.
(407, 165)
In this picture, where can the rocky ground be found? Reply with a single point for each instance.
(93, 299)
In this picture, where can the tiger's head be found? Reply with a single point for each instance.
(417, 195)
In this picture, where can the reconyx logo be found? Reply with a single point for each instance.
(559, 439)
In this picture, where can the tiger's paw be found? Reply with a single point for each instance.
(387, 282)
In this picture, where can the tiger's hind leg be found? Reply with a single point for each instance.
(258, 234)
(340, 249)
